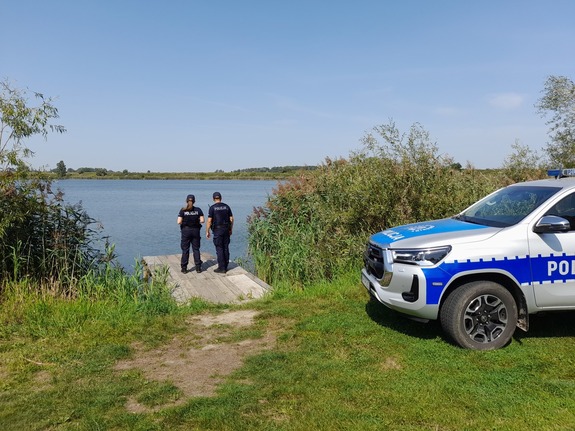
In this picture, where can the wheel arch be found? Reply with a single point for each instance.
(501, 279)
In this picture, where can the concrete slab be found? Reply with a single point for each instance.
(235, 286)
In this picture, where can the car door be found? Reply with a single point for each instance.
(552, 257)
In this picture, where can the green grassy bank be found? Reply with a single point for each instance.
(339, 362)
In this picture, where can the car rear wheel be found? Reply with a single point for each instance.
(480, 315)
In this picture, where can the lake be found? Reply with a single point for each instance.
(139, 216)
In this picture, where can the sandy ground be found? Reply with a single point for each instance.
(196, 362)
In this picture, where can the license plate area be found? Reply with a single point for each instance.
(365, 281)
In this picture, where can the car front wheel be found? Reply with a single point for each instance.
(480, 315)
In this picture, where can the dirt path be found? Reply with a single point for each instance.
(196, 362)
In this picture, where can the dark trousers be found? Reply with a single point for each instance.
(222, 244)
(190, 236)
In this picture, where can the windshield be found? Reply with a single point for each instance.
(507, 206)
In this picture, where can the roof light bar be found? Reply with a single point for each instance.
(560, 173)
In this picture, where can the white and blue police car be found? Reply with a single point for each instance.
(483, 271)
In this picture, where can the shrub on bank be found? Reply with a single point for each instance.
(41, 237)
(42, 240)
(315, 225)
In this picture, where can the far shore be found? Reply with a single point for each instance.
(110, 175)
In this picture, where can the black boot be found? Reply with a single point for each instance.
(184, 270)
(198, 268)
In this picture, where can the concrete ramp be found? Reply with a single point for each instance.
(234, 287)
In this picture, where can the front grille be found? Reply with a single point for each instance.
(374, 260)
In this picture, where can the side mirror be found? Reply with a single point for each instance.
(552, 224)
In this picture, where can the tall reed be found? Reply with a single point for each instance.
(315, 225)
(44, 239)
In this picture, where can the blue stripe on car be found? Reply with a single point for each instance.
(425, 228)
(557, 268)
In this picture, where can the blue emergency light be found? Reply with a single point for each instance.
(560, 173)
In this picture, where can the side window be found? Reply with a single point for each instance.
(565, 208)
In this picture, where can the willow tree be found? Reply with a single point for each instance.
(41, 237)
(20, 120)
(558, 103)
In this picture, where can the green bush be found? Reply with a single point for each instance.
(315, 225)
(41, 238)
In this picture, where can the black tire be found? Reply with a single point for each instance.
(481, 315)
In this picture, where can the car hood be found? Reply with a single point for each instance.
(433, 233)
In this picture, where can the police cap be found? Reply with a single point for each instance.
(217, 195)
(190, 198)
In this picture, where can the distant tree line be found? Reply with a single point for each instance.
(62, 171)
(100, 172)
(278, 169)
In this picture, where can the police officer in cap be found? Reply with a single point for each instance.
(221, 221)
(190, 219)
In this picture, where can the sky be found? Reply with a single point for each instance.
(200, 86)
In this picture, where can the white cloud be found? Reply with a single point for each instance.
(506, 100)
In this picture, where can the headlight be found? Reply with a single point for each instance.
(420, 256)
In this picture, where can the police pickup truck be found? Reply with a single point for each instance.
(483, 271)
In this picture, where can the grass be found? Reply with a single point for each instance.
(342, 362)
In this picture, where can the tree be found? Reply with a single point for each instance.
(61, 169)
(559, 102)
(18, 121)
(41, 237)
(523, 164)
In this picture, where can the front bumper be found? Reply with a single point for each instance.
(403, 290)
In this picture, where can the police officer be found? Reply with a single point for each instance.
(221, 221)
(190, 220)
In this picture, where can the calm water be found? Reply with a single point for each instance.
(140, 216)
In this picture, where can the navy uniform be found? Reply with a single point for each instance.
(221, 221)
(190, 219)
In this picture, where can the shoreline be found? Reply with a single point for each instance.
(210, 176)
